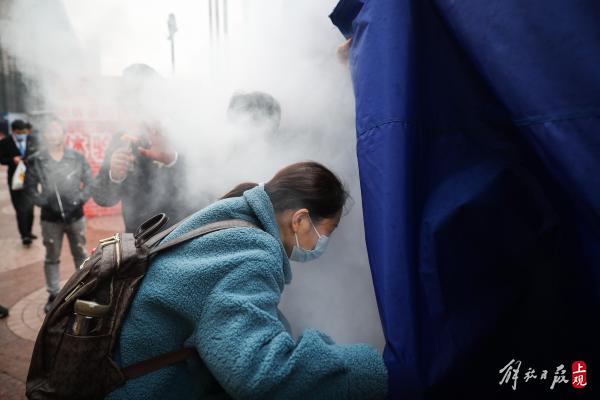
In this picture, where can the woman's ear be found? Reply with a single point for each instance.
(298, 217)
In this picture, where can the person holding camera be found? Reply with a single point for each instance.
(65, 179)
(143, 171)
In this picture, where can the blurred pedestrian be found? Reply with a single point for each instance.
(65, 179)
(15, 150)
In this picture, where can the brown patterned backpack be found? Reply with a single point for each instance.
(72, 357)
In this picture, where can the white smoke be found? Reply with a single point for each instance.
(75, 50)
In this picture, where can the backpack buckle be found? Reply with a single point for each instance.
(109, 240)
(115, 239)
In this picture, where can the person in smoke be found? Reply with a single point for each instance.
(64, 177)
(141, 167)
(255, 111)
(219, 293)
(143, 171)
(253, 125)
(14, 149)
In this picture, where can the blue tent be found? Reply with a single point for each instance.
(479, 154)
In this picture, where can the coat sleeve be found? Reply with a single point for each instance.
(6, 158)
(105, 192)
(32, 179)
(249, 351)
(87, 181)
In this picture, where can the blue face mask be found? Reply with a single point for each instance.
(20, 136)
(302, 255)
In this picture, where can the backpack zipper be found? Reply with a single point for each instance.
(84, 261)
(73, 292)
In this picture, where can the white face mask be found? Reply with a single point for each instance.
(302, 255)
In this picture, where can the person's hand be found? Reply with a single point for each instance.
(160, 149)
(121, 161)
(17, 159)
(343, 51)
(47, 197)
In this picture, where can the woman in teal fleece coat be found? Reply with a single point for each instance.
(219, 293)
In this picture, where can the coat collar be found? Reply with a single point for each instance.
(260, 203)
(68, 154)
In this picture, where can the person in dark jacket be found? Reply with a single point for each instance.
(145, 173)
(19, 146)
(65, 179)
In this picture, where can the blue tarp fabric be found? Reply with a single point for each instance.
(479, 153)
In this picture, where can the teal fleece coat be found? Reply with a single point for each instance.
(219, 293)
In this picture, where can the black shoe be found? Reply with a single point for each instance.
(48, 305)
(26, 241)
(3, 312)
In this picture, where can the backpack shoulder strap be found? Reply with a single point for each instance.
(203, 230)
(161, 235)
(156, 363)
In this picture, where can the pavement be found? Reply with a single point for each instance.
(23, 290)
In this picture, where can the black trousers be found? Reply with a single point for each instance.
(24, 209)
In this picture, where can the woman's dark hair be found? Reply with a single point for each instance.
(307, 185)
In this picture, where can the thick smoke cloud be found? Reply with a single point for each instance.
(75, 49)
